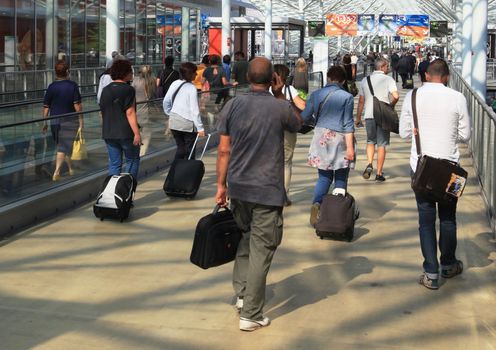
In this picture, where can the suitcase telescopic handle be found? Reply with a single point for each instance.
(204, 148)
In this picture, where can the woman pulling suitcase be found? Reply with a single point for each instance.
(332, 150)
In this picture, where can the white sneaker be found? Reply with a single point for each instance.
(239, 304)
(338, 192)
(248, 325)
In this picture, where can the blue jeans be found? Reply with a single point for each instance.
(324, 181)
(427, 230)
(117, 147)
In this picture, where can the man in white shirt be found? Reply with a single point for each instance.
(385, 90)
(443, 120)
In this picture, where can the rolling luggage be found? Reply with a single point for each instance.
(116, 197)
(216, 239)
(185, 175)
(337, 217)
(409, 84)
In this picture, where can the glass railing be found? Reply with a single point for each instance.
(482, 142)
(27, 155)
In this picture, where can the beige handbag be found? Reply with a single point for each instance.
(79, 151)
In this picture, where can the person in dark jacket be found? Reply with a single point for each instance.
(394, 65)
(404, 69)
(422, 68)
(166, 77)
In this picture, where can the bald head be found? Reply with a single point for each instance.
(260, 71)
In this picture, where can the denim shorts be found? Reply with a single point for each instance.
(375, 134)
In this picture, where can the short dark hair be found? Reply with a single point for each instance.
(169, 61)
(347, 59)
(61, 69)
(120, 69)
(336, 73)
(259, 76)
(240, 54)
(206, 59)
(187, 71)
(214, 59)
(226, 59)
(438, 68)
(282, 70)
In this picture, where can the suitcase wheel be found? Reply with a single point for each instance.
(101, 218)
(321, 237)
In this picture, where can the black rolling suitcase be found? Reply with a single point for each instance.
(116, 197)
(185, 175)
(337, 217)
(216, 239)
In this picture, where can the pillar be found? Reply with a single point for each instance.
(112, 29)
(479, 48)
(467, 41)
(185, 34)
(51, 34)
(268, 29)
(458, 33)
(226, 27)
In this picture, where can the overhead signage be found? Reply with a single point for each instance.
(388, 25)
(341, 24)
(365, 24)
(316, 28)
(416, 26)
(438, 29)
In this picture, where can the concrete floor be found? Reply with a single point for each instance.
(78, 283)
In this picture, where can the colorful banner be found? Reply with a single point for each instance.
(416, 26)
(388, 25)
(168, 24)
(366, 24)
(341, 24)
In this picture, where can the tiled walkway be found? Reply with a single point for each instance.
(78, 283)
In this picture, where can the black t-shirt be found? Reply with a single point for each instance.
(167, 77)
(214, 76)
(116, 99)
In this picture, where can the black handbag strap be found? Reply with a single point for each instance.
(415, 121)
(175, 93)
(370, 86)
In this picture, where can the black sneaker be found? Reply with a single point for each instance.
(380, 178)
(453, 271)
(427, 282)
(368, 170)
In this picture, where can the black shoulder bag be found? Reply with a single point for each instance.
(438, 179)
(384, 114)
(312, 123)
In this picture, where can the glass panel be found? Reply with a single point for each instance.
(151, 30)
(92, 32)
(40, 39)
(77, 34)
(8, 44)
(129, 34)
(193, 34)
(62, 31)
(169, 31)
(102, 34)
(177, 35)
(25, 35)
(140, 31)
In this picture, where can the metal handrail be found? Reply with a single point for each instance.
(482, 143)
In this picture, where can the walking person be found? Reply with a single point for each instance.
(166, 77)
(181, 105)
(404, 67)
(62, 97)
(385, 90)
(443, 120)
(394, 65)
(240, 68)
(251, 160)
(332, 150)
(289, 137)
(144, 85)
(120, 125)
(300, 76)
(216, 77)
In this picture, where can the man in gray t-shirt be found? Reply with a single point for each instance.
(251, 160)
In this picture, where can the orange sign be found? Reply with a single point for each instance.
(341, 24)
